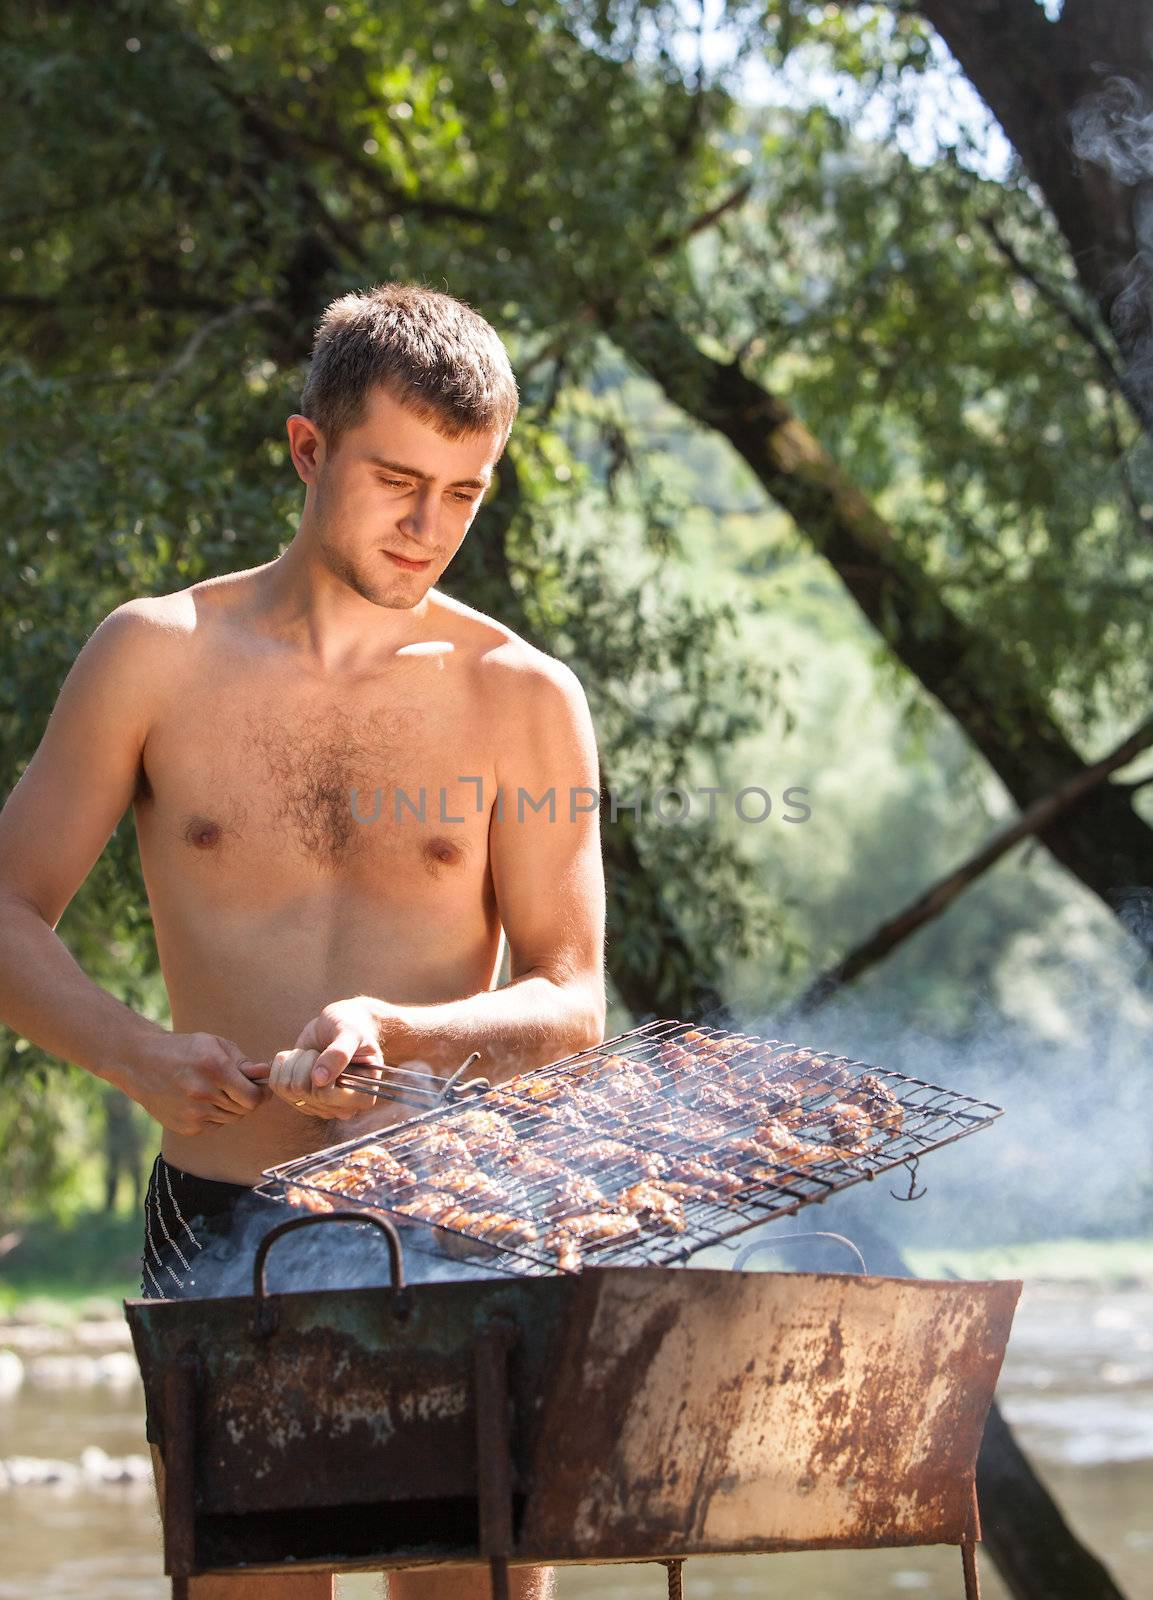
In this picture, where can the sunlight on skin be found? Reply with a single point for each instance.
(428, 647)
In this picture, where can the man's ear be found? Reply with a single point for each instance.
(306, 444)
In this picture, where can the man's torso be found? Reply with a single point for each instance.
(269, 898)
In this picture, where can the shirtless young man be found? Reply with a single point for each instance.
(237, 717)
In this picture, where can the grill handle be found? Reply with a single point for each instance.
(751, 1250)
(265, 1313)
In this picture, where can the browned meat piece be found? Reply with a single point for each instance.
(710, 1182)
(527, 1087)
(614, 1152)
(307, 1198)
(484, 1130)
(621, 1084)
(850, 1125)
(504, 1228)
(568, 1253)
(652, 1199)
(381, 1163)
(689, 1127)
(778, 1146)
(468, 1183)
(428, 1207)
(433, 1147)
(718, 1097)
(594, 1225)
(575, 1192)
(531, 1166)
(782, 1094)
(441, 1209)
(346, 1180)
(882, 1105)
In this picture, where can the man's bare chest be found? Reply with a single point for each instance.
(275, 783)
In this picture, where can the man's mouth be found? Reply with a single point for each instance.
(409, 566)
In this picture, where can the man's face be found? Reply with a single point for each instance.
(393, 502)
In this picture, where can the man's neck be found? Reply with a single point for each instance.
(336, 630)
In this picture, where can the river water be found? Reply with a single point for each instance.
(78, 1519)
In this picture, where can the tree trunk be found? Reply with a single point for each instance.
(1034, 75)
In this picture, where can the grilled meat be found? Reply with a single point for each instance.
(306, 1198)
(436, 1146)
(430, 1206)
(850, 1125)
(469, 1183)
(777, 1145)
(693, 1179)
(440, 1208)
(613, 1152)
(654, 1200)
(531, 1166)
(526, 1087)
(484, 1131)
(879, 1101)
(592, 1226)
(568, 1253)
(575, 1193)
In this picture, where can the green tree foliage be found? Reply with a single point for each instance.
(188, 182)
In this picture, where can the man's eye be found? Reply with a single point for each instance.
(467, 498)
(392, 483)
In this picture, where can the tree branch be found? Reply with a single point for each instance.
(937, 899)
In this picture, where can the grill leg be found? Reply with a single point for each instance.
(969, 1568)
(676, 1585)
(498, 1578)
(969, 1550)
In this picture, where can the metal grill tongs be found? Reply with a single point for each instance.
(423, 1089)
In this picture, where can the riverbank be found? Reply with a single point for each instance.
(57, 1267)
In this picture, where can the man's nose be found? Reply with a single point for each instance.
(422, 521)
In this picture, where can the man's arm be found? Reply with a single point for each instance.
(52, 829)
(545, 857)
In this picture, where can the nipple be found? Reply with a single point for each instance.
(202, 832)
(440, 852)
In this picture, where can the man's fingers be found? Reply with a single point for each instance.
(232, 1108)
(337, 1055)
(255, 1071)
(240, 1089)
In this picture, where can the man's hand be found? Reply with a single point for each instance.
(344, 1033)
(197, 1081)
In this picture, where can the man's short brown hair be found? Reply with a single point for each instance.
(431, 352)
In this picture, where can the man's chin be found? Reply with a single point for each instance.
(394, 597)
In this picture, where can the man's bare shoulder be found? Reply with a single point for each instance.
(509, 665)
(180, 614)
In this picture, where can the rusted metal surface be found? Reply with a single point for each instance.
(764, 1412)
(651, 1414)
(179, 1487)
(355, 1395)
(495, 1341)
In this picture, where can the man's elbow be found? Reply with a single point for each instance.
(588, 1021)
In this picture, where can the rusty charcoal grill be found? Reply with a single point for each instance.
(632, 1414)
(536, 1415)
(667, 1122)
